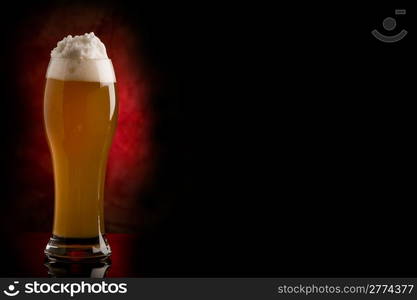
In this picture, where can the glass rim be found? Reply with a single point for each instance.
(79, 59)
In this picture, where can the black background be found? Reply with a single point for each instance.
(287, 133)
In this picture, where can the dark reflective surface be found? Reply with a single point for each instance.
(77, 269)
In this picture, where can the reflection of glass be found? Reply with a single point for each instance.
(80, 269)
(80, 120)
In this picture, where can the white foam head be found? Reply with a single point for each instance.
(81, 58)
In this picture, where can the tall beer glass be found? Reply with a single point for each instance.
(80, 113)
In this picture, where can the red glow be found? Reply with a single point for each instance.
(130, 161)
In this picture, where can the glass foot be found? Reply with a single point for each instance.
(78, 249)
(85, 269)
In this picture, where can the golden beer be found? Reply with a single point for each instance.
(80, 120)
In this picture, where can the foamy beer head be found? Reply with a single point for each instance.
(81, 58)
(80, 111)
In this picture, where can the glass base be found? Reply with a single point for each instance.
(85, 269)
(78, 249)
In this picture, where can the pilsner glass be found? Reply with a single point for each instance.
(80, 119)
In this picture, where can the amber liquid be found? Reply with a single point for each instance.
(80, 120)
